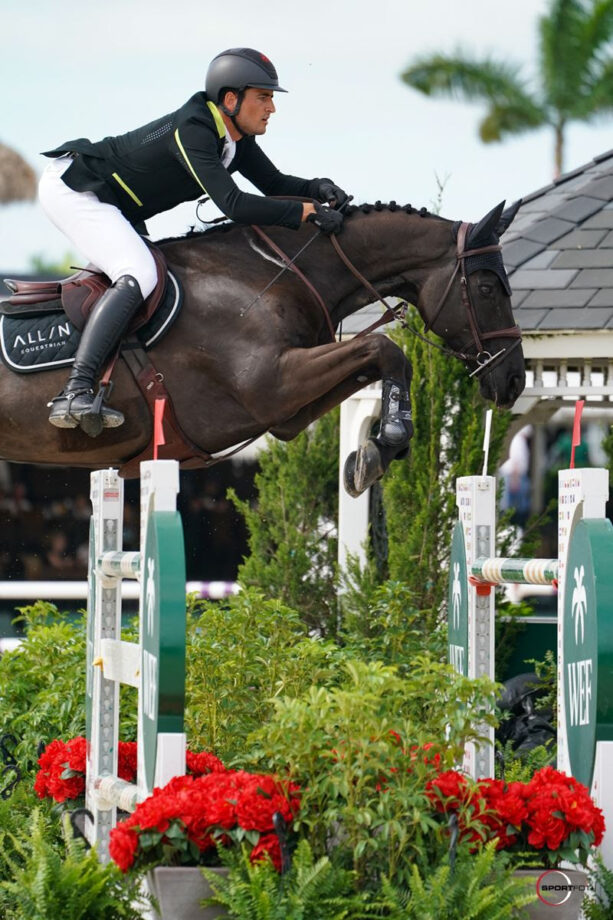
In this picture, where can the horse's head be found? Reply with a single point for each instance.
(470, 307)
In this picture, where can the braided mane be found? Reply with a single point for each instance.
(351, 209)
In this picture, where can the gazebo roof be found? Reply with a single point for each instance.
(559, 252)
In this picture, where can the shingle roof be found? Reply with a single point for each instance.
(559, 252)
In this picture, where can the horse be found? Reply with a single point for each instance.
(247, 356)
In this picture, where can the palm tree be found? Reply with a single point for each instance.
(17, 178)
(575, 80)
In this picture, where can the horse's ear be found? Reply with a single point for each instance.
(507, 217)
(481, 234)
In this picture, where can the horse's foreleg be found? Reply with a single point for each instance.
(292, 427)
(331, 373)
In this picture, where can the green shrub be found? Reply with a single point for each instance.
(292, 526)
(42, 684)
(481, 887)
(241, 654)
(68, 882)
(311, 890)
(363, 793)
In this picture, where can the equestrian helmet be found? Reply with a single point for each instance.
(239, 68)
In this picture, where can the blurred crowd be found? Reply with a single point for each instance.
(45, 519)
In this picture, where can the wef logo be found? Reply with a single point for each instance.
(456, 594)
(579, 603)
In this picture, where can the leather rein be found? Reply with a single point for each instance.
(484, 359)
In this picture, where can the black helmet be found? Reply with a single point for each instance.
(238, 68)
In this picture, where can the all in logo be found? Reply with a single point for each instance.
(457, 615)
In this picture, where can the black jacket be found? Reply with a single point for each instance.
(178, 158)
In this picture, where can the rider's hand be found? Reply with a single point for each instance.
(328, 220)
(329, 192)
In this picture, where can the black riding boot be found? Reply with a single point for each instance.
(109, 320)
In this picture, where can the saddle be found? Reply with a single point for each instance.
(78, 294)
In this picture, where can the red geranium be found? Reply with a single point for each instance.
(61, 774)
(183, 822)
(62, 767)
(552, 814)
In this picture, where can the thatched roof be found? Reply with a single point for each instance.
(17, 178)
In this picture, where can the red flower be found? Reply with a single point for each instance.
(260, 797)
(202, 763)
(267, 846)
(203, 811)
(127, 761)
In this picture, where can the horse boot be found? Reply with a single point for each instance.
(392, 443)
(76, 404)
(396, 427)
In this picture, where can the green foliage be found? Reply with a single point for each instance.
(42, 266)
(359, 798)
(241, 654)
(383, 624)
(313, 889)
(481, 887)
(15, 816)
(547, 672)
(47, 882)
(515, 769)
(573, 80)
(419, 494)
(292, 528)
(599, 904)
(42, 684)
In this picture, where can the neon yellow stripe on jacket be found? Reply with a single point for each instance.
(127, 189)
(219, 122)
(186, 158)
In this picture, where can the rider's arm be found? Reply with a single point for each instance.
(197, 150)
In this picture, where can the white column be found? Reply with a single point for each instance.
(357, 416)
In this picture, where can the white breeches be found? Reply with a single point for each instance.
(98, 230)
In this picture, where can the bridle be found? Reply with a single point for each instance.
(484, 359)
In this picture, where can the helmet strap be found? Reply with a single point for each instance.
(232, 113)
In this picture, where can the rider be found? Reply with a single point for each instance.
(99, 195)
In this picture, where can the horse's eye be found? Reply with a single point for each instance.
(486, 289)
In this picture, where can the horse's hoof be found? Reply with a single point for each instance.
(349, 475)
(369, 466)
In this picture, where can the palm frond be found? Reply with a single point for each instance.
(504, 121)
(461, 77)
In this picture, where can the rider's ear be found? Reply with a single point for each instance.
(507, 216)
(481, 234)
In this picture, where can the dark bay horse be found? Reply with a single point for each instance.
(237, 364)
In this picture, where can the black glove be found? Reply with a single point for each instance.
(328, 191)
(327, 219)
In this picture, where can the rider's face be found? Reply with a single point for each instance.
(256, 109)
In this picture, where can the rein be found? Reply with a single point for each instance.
(485, 360)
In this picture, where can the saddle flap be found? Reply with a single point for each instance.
(80, 294)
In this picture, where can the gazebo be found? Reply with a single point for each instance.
(559, 256)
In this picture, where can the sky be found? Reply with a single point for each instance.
(82, 69)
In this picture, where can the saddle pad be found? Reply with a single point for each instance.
(46, 341)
